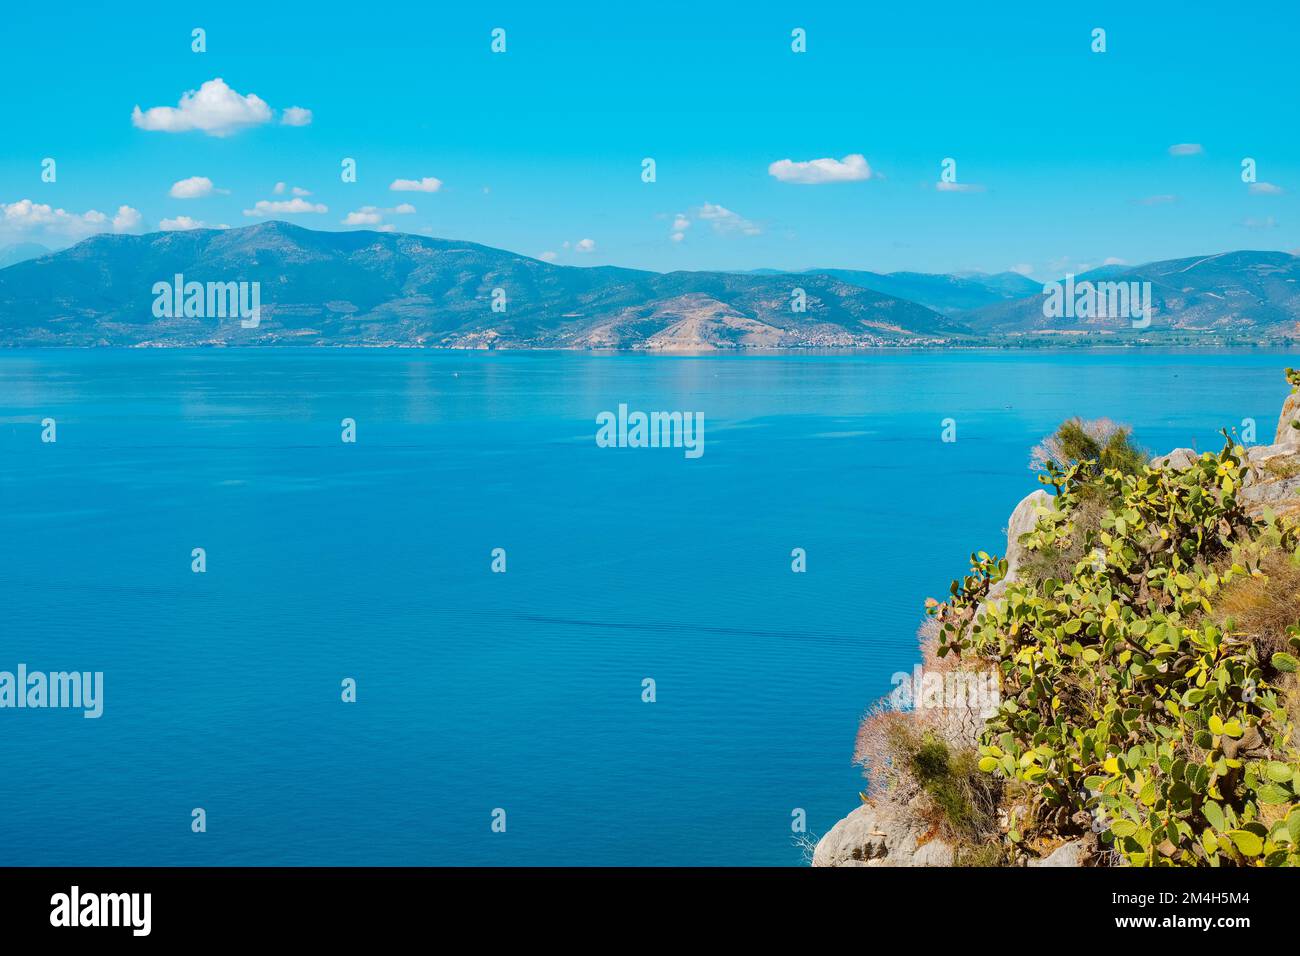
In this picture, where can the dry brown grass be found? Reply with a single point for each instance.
(1261, 607)
(1283, 467)
(1288, 686)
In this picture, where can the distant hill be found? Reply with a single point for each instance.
(949, 294)
(1011, 285)
(1242, 294)
(374, 288)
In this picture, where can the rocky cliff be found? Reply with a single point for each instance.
(897, 824)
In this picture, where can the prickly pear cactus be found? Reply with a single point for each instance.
(1130, 705)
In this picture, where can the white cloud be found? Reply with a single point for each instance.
(1266, 189)
(267, 208)
(196, 187)
(26, 214)
(724, 220)
(677, 236)
(1186, 149)
(1113, 261)
(582, 245)
(214, 109)
(1253, 223)
(1022, 268)
(680, 222)
(126, 219)
(1162, 199)
(946, 187)
(31, 218)
(428, 184)
(282, 188)
(295, 116)
(548, 256)
(1062, 265)
(851, 168)
(373, 216)
(180, 224)
(365, 216)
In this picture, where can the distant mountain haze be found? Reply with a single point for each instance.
(21, 252)
(949, 294)
(381, 288)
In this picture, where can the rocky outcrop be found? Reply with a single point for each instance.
(1287, 433)
(1279, 495)
(1263, 454)
(882, 833)
(1274, 479)
(1177, 459)
(1078, 852)
(1023, 518)
(1022, 521)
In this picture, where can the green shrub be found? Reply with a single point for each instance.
(984, 855)
(1092, 445)
(964, 799)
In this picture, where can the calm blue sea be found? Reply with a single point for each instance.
(521, 690)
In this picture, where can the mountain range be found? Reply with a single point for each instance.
(395, 289)
(1252, 295)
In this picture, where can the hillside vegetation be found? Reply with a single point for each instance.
(1145, 645)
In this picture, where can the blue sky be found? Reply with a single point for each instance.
(1063, 155)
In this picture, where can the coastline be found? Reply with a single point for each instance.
(1278, 346)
